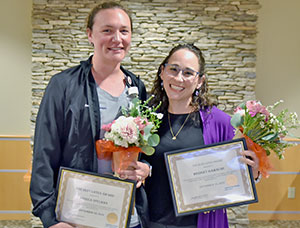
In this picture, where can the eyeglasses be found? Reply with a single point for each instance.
(172, 69)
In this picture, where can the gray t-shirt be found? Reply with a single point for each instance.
(110, 108)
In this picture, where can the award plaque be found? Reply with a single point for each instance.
(87, 200)
(209, 177)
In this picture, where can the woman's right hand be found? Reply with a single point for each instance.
(62, 225)
(137, 171)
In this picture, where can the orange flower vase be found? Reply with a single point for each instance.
(122, 159)
(104, 149)
(264, 163)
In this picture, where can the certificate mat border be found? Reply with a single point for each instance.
(128, 185)
(195, 208)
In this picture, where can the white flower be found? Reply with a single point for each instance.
(126, 129)
(158, 115)
(120, 142)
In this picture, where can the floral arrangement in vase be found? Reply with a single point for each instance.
(263, 130)
(131, 133)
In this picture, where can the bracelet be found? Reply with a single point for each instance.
(150, 170)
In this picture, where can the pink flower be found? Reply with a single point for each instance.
(141, 122)
(255, 107)
(107, 127)
(129, 132)
(240, 111)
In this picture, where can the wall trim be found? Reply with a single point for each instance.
(273, 212)
(13, 170)
(284, 173)
(15, 138)
(292, 140)
(15, 212)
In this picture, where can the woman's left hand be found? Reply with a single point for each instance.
(137, 171)
(250, 158)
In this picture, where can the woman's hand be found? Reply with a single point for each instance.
(250, 158)
(62, 225)
(137, 171)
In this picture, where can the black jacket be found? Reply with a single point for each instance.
(64, 134)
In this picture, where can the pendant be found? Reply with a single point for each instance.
(174, 138)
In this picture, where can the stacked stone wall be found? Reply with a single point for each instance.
(225, 30)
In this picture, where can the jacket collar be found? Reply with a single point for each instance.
(129, 77)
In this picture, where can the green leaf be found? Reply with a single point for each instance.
(236, 120)
(135, 101)
(270, 137)
(153, 140)
(148, 150)
(134, 113)
(147, 131)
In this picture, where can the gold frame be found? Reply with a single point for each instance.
(195, 174)
(91, 206)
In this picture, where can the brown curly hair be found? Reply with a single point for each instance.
(200, 101)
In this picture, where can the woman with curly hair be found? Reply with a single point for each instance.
(190, 119)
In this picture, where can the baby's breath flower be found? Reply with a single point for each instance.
(158, 115)
(262, 124)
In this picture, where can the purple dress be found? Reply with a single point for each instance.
(216, 128)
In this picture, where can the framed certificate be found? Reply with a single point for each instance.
(88, 200)
(209, 177)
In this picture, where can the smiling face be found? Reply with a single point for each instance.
(180, 89)
(110, 35)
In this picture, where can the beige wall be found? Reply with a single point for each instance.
(278, 54)
(15, 65)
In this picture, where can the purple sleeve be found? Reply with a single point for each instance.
(216, 126)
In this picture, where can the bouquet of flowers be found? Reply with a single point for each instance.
(263, 130)
(131, 133)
